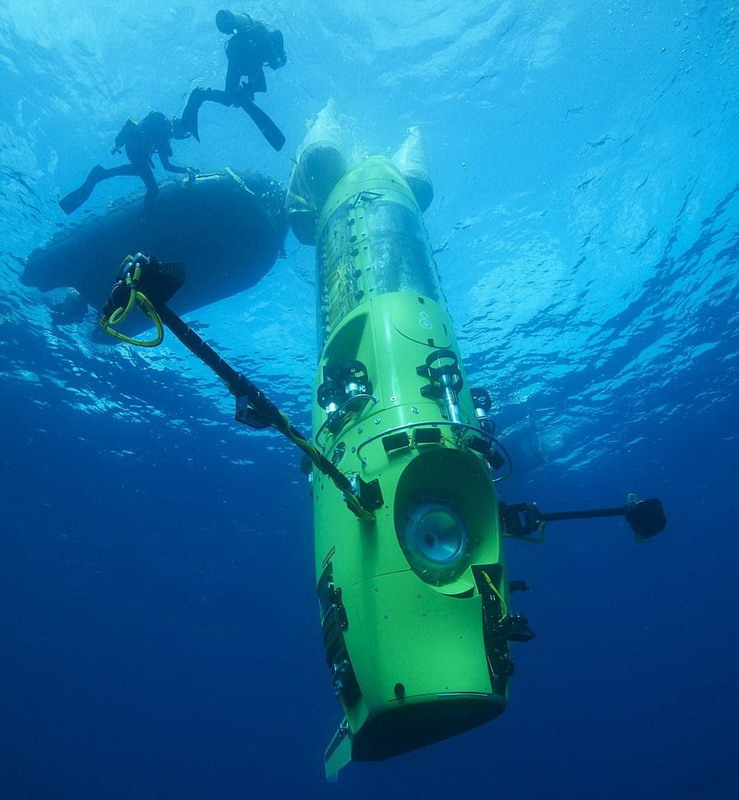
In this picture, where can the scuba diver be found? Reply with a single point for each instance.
(140, 140)
(252, 46)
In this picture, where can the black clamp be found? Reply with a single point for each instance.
(442, 371)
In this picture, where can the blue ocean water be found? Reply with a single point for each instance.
(159, 634)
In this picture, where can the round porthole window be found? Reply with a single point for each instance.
(436, 542)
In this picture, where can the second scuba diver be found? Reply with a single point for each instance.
(252, 46)
(140, 140)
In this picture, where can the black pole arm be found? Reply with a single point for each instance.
(261, 411)
(592, 513)
(646, 517)
(236, 383)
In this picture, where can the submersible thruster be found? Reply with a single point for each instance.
(414, 602)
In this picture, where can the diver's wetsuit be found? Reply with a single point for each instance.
(247, 51)
(141, 141)
(252, 46)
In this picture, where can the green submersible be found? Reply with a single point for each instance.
(414, 602)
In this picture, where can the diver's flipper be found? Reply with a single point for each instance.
(76, 198)
(264, 122)
(190, 112)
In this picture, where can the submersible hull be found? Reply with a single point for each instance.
(413, 603)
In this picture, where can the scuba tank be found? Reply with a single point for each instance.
(275, 50)
(125, 135)
(141, 139)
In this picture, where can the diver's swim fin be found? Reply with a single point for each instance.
(76, 198)
(190, 112)
(264, 122)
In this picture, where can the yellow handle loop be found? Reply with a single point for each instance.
(139, 299)
(121, 313)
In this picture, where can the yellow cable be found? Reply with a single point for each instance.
(503, 606)
(120, 314)
(315, 455)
